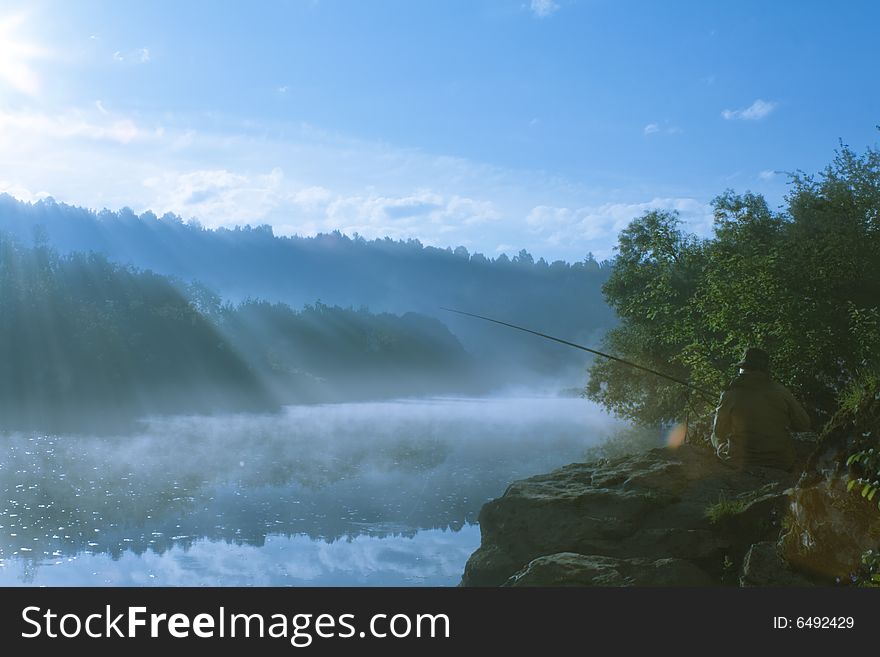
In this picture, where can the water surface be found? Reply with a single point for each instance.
(382, 494)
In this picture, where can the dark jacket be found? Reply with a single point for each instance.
(753, 422)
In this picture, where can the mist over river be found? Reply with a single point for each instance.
(378, 493)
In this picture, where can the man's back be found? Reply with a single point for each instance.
(754, 420)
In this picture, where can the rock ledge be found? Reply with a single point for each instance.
(661, 518)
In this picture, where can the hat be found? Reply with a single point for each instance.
(755, 359)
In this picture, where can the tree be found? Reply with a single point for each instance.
(804, 283)
(524, 258)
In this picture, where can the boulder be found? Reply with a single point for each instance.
(569, 569)
(638, 511)
(764, 565)
(830, 527)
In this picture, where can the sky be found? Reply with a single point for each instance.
(492, 124)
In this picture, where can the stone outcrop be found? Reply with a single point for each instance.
(764, 565)
(663, 517)
(829, 526)
(569, 569)
(682, 517)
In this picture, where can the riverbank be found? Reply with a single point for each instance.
(662, 517)
(682, 517)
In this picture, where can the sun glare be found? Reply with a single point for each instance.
(15, 56)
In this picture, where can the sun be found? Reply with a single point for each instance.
(15, 57)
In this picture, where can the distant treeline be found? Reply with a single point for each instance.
(328, 353)
(383, 275)
(83, 337)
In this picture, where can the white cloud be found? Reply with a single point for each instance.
(543, 8)
(754, 112)
(73, 125)
(654, 128)
(424, 214)
(768, 174)
(602, 223)
(308, 182)
(136, 56)
(21, 193)
(218, 197)
(312, 198)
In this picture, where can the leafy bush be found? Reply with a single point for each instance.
(869, 574)
(866, 480)
(858, 402)
(802, 282)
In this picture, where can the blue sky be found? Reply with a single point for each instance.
(497, 125)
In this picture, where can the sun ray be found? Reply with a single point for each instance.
(16, 55)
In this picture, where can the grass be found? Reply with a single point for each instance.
(724, 509)
(864, 387)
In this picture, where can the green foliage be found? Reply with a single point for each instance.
(81, 337)
(863, 462)
(344, 347)
(859, 392)
(869, 574)
(724, 509)
(802, 283)
(78, 332)
(396, 276)
(865, 473)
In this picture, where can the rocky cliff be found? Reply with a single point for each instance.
(663, 517)
(681, 517)
(829, 527)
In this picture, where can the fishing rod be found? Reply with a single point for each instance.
(709, 396)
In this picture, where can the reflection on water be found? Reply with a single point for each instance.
(430, 557)
(344, 494)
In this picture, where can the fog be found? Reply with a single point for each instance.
(297, 460)
(386, 276)
(354, 493)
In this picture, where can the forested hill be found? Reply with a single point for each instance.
(83, 339)
(382, 275)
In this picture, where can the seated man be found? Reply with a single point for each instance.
(755, 416)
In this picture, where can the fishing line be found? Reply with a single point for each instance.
(704, 393)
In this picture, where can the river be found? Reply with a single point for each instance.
(359, 494)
